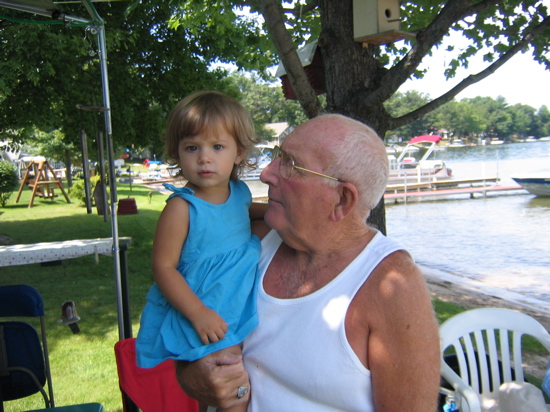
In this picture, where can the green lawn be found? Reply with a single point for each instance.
(83, 365)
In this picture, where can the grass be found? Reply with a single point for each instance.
(83, 365)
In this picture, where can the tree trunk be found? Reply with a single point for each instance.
(351, 72)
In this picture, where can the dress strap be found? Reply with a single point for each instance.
(178, 191)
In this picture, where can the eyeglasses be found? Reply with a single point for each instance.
(286, 166)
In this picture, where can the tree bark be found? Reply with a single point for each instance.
(352, 72)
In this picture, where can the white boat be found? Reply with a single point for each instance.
(539, 186)
(457, 143)
(413, 164)
(262, 158)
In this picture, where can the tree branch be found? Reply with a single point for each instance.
(303, 9)
(296, 11)
(471, 79)
(426, 39)
(289, 57)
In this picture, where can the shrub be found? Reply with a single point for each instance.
(8, 181)
(78, 189)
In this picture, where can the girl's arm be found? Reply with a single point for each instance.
(257, 224)
(170, 235)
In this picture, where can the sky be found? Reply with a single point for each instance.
(520, 80)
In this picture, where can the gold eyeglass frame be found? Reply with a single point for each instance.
(279, 153)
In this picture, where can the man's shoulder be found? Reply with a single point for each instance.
(396, 275)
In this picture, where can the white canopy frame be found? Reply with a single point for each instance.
(49, 8)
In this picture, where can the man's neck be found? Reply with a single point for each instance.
(296, 273)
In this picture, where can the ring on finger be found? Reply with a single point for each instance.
(242, 391)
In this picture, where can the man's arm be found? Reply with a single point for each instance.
(215, 379)
(403, 341)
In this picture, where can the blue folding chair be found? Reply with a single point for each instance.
(24, 361)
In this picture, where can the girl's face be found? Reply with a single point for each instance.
(207, 159)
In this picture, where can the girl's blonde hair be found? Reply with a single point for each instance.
(206, 110)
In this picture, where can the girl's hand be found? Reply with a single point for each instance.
(209, 325)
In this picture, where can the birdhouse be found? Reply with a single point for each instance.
(312, 61)
(377, 22)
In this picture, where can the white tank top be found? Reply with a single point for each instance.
(298, 358)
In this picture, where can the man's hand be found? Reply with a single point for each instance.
(215, 379)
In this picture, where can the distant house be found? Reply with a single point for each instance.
(280, 130)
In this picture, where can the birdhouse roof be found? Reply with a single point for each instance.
(305, 54)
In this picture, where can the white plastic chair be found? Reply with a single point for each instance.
(487, 344)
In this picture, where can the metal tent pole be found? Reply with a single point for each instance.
(124, 325)
(112, 177)
(100, 26)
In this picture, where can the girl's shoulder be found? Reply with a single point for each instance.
(182, 192)
(239, 187)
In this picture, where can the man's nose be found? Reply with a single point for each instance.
(270, 171)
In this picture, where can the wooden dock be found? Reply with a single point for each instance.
(439, 184)
(430, 190)
(470, 187)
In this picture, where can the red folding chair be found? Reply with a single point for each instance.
(151, 390)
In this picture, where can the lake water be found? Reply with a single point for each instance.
(501, 243)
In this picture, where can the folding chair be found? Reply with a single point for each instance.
(24, 361)
(486, 344)
(151, 390)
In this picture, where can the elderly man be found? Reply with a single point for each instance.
(345, 318)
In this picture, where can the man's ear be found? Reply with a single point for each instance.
(348, 199)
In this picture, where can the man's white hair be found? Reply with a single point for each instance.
(360, 158)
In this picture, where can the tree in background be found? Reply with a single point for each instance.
(542, 122)
(460, 119)
(523, 120)
(402, 103)
(359, 80)
(47, 69)
(472, 119)
(159, 51)
(266, 103)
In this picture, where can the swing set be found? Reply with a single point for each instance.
(40, 177)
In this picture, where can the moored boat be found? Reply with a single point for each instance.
(539, 186)
(261, 158)
(413, 165)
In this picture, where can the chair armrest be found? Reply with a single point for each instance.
(466, 393)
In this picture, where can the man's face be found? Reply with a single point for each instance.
(299, 206)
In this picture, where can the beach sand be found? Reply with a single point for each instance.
(470, 298)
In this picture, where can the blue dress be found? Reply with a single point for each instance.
(219, 261)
